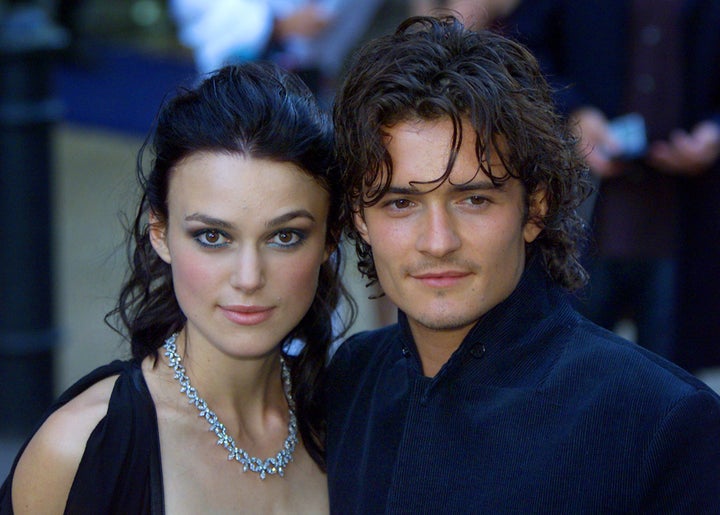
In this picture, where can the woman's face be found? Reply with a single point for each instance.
(245, 239)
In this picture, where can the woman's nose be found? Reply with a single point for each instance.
(247, 272)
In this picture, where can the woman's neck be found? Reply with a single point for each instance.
(246, 394)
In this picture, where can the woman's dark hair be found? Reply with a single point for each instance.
(435, 68)
(256, 110)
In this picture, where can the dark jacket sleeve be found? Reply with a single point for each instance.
(684, 458)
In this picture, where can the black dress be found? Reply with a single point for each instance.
(120, 471)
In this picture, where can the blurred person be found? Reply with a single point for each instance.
(657, 61)
(474, 13)
(309, 37)
(232, 257)
(491, 394)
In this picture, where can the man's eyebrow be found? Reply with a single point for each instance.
(477, 186)
(408, 190)
(468, 186)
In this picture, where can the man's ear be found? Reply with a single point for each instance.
(537, 209)
(360, 225)
(158, 237)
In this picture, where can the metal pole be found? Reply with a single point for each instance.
(29, 44)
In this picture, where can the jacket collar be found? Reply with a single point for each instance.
(503, 341)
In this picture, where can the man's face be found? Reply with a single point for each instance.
(445, 256)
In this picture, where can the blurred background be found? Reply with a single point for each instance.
(80, 84)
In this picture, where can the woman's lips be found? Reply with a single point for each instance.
(247, 315)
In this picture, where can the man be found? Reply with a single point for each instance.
(491, 394)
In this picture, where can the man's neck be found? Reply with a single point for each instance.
(435, 346)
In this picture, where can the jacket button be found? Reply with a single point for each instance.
(478, 351)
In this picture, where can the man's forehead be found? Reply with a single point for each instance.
(423, 156)
(440, 135)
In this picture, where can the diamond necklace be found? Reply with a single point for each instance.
(270, 466)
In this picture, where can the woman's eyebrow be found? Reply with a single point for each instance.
(274, 222)
(209, 220)
(284, 218)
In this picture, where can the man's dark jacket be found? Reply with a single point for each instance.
(538, 411)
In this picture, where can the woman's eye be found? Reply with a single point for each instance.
(286, 238)
(211, 238)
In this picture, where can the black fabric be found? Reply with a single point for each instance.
(120, 471)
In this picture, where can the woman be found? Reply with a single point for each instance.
(233, 259)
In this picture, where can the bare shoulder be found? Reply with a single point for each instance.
(47, 468)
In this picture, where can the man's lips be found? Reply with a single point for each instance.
(441, 279)
(247, 315)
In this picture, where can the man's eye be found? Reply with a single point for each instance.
(477, 200)
(401, 203)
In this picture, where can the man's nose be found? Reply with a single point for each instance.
(438, 236)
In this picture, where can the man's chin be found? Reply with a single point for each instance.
(444, 323)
